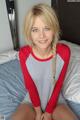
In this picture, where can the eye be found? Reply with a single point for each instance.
(34, 30)
(47, 28)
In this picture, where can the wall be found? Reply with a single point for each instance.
(22, 7)
(5, 34)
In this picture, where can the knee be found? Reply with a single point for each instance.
(64, 112)
(23, 112)
(60, 109)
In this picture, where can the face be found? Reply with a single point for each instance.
(41, 34)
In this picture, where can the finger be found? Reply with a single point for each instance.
(42, 117)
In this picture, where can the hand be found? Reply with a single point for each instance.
(38, 113)
(38, 117)
(46, 116)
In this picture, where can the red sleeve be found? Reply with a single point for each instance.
(29, 83)
(64, 53)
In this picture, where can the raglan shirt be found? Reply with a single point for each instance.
(37, 76)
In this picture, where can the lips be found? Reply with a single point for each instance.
(43, 41)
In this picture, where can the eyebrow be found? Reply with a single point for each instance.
(34, 27)
(37, 27)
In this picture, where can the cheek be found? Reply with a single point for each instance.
(34, 36)
(50, 36)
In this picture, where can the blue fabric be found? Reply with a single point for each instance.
(75, 107)
(12, 89)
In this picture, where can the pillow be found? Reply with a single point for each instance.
(75, 49)
(7, 56)
(71, 86)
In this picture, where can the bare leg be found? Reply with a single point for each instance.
(24, 112)
(63, 112)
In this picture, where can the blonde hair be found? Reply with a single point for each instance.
(49, 16)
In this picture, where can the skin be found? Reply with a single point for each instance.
(41, 36)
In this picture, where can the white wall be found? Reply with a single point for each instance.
(22, 7)
(5, 34)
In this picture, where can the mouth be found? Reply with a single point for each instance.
(43, 41)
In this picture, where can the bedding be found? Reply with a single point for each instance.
(71, 86)
(75, 49)
(7, 56)
(12, 90)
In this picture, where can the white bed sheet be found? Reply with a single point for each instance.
(71, 87)
(7, 56)
(75, 49)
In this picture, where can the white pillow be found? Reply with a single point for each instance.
(7, 56)
(75, 49)
(71, 87)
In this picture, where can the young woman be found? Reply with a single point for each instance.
(44, 64)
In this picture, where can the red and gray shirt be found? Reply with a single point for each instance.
(37, 76)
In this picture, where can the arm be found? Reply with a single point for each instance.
(29, 83)
(64, 52)
(38, 113)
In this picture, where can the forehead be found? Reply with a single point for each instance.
(39, 21)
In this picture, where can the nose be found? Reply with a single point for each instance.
(42, 34)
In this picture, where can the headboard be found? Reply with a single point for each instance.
(69, 16)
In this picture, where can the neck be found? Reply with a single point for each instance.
(42, 53)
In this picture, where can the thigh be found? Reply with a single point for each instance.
(24, 112)
(63, 112)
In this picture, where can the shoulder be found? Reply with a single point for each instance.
(24, 51)
(63, 50)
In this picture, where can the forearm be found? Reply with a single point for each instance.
(38, 113)
(38, 110)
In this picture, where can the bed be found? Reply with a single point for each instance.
(12, 89)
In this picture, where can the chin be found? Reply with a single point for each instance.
(44, 48)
